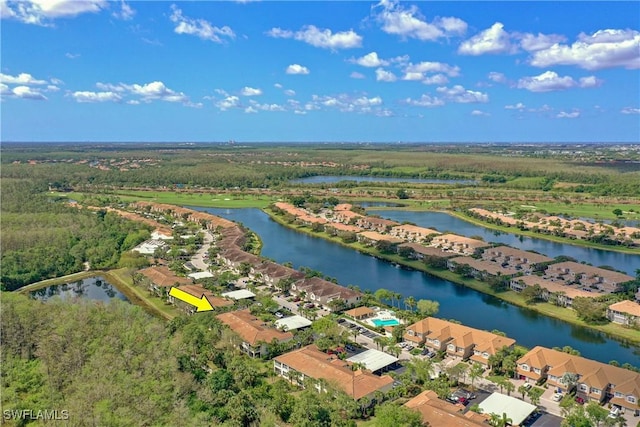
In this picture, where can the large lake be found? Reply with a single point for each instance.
(456, 302)
(92, 288)
(329, 179)
(443, 222)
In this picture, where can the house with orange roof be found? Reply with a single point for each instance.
(457, 244)
(592, 278)
(625, 313)
(438, 412)
(596, 381)
(322, 291)
(346, 217)
(457, 340)
(310, 363)
(412, 233)
(160, 279)
(481, 269)
(420, 251)
(198, 292)
(360, 313)
(376, 224)
(558, 293)
(519, 260)
(255, 333)
(373, 237)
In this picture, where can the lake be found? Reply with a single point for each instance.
(329, 179)
(456, 302)
(92, 288)
(441, 221)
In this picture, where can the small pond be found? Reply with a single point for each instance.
(92, 288)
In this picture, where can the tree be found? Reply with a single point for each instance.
(617, 212)
(534, 394)
(389, 414)
(589, 310)
(532, 294)
(420, 370)
(509, 386)
(596, 413)
(382, 294)
(500, 421)
(522, 390)
(402, 194)
(569, 379)
(475, 372)
(427, 307)
(409, 303)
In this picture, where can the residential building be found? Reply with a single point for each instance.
(255, 333)
(481, 269)
(373, 237)
(310, 363)
(438, 412)
(160, 279)
(457, 244)
(596, 381)
(376, 224)
(589, 277)
(321, 291)
(271, 273)
(360, 313)
(198, 292)
(420, 251)
(625, 313)
(457, 340)
(519, 260)
(412, 233)
(556, 292)
(235, 258)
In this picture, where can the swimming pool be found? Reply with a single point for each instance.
(380, 322)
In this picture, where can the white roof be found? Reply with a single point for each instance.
(515, 409)
(293, 322)
(200, 275)
(240, 294)
(373, 359)
(149, 247)
(157, 235)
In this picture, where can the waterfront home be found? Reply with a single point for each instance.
(589, 277)
(596, 381)
(625, 313)
(310, 363)
(342, 207)
(420, 251)
(481, 269)
(271, 273)
(412, 233)
(255, 333)
(231, 238)
(457, 244)
(457, 340)
(557, 293)
(346, 217)
(438, 412)
(371, 238)
(235, 258)
(376, 224)
(198, 292)
(160, 279)
(335, 227)
(524, 261)
(360, 313)
(321, 291)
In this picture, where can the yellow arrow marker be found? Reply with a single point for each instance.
(202, 303)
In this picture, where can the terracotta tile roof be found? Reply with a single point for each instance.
(413, 229)
(344, 227)
(318, 365)
(506, 251)
(163, 277)
(251, 329)
(343, 207)
(629, 307)
(321, 287)
(359, 311)
(437, 412)
(551, 286)
(576, 267)
(427, 250)
(480, 265)
(199, 291)
(377, 237)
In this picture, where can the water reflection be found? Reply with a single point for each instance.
(92, 288)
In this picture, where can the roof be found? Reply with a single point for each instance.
(552, 286)
(409, 228)
(251, 329)
(293, 322)
(454, 238)
(318, 365)
(515, 409)
(488, 266)
(198, 291)
(437, 412)
(531, 257)
(427, 250)
(628, 307)
(200, 275)
(149, 247)
(576, 267)
(239, 294)
(163, 277)
(377, 237)
(373, 360)
(359, 312)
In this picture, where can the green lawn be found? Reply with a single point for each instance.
(584, 209)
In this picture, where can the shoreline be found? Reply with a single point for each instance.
(619, 333)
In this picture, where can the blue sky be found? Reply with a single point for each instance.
(96, 70)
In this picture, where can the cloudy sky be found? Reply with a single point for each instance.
(96, 70)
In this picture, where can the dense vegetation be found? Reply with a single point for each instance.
(43, 238)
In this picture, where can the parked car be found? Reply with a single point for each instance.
(614, 412)
(279, 315)
(527, 386)
(579, 400)
(463, 400)
(557, 397)
(341, 320)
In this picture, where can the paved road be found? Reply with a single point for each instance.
(198, 259)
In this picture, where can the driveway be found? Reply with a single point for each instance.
(198, 259)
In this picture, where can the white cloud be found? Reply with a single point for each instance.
(72, 55)
(347, 103)
(126, 12)
(493, 40)
(497, 77)
(133, 102)
(519, 106)
(323, 38)
(228, 102)
(602, 49)
(409, 23)
(413, 76)
(199, 27)
(630, 110)
(551, 81)
(290, 92)
(277, 86)
(154, 91)
(221, 92)
(356, 75)
(250, 110)
(38, 12)
(385, 76)
(425, 101)
(86, 96)
(438, 79)
(480, 113)
(249, 91)
(433, 67)
(301, 112)
(564, 115)
(297, 69)
(26, 92)
(21, 79)
(266, 107)
(52, 88)
(532, 42)
(370, 60)
(461, 95)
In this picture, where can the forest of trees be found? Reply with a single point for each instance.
(43, 238)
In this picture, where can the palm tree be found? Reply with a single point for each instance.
(500, 421)
(395, 350)
(509, 386)
(475, 372)
(522, 390)
(409, 303)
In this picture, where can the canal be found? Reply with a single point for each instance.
(456, 302)
(92, 288)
